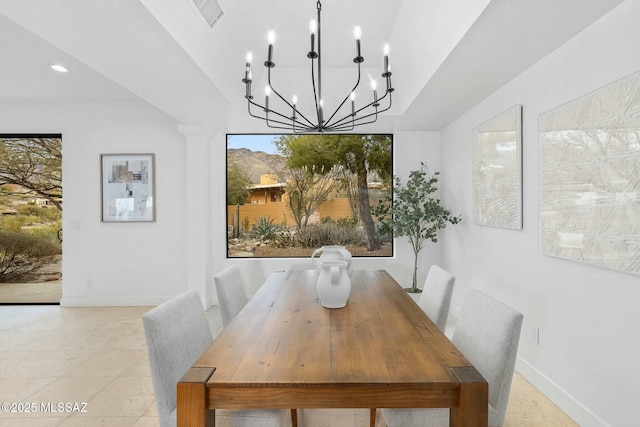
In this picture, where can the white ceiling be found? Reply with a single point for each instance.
(447, 55)
(25, 75)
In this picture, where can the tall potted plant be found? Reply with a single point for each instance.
(416, 213)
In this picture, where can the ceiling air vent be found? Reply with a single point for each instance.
(210, 11)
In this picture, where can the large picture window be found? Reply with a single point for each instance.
(288, 195)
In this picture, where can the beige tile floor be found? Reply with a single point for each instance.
(50, 354)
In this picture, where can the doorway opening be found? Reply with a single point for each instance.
(30, 218)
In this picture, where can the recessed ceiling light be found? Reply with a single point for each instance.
(59, 68)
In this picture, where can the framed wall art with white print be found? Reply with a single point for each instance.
(497, 170)
(128, 188)
(590, 178)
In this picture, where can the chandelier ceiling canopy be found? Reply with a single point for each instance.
(344, 118)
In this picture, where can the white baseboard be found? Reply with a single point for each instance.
(112, 301)
(576, 410)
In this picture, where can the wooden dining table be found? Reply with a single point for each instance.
(285, 350)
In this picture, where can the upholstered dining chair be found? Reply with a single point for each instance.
(231, 294)
(487, 333)
(436, 295)
(177, 333)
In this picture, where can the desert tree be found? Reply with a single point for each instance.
(357, 154)
(33, 166)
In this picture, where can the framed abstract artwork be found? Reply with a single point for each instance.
(590, 178)
(128, 187)
(497, 170)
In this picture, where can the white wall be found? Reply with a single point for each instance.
(113, 263)
(587, 360)
(146, 263)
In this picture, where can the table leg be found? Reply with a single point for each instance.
(372, 417)
(473, 409)
(294, 418)
(192, 399)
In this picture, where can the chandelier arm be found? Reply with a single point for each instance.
(377, 101)
(342, 121)
(285, 101)
(285, 125)
(345, 100)
(357, 122)
(375, 113)
(364, 108)
(305, 130)
(345, 127)
(267, 119)
(360, 120)
(389, 106)
(249, 104)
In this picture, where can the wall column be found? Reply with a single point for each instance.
(198, 211)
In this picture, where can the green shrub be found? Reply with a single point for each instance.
(264, 227)
(284, 239)
(23, 253)
(329, 233)
(16, 222)
(47, 232)
(346, 222)
(327, 220)
(46, 214)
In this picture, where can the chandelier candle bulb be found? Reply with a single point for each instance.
(294, 101)
(385, 50)
(387, 76)
(353, 103)
(357, 33)
(271, 38)
(247, 75)
(313, 27)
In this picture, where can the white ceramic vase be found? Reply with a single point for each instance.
(334, 284)
(330, 253)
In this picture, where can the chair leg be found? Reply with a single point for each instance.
(294, 418)
(372, 417)
(211, 418)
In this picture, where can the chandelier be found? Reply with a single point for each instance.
(320, 121)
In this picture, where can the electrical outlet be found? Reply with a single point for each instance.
(89, 283)
(535, 335)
